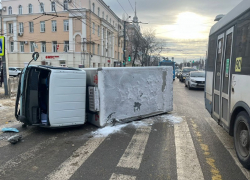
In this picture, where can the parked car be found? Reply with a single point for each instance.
(15, 71)
(195, 79)
(184, 73)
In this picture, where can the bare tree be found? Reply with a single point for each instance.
(151, 48)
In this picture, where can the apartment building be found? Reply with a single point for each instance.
(69, 33)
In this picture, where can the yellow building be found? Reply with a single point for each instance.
(65, 33)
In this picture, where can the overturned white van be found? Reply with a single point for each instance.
(51, 96)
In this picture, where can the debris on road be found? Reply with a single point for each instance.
(14, 139)
(10, 130)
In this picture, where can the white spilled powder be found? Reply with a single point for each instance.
(109, 129)
(171, 118)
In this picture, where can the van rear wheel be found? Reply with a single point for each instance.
(242, 138)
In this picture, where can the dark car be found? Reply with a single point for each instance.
(178, 74)
(185, 72)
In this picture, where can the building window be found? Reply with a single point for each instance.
(54, 46)
(98, 49)
(110, 20)
(22, 46)
(98, 12)
(41, 7)
(20, 27)
(103, 15)
(54, 26)
(98, 29)
(107, 17)
(93, 7)
(118, 56)
(30, 8)
(93, 48)
(93, 28)
(10, 10)
(65, 5)
(113, 23)
(10, 28)
(66, 46)
(43, 46)
(31, 26)
(20, 9)
(42, 26)
(66, 25)
(32, 48)
(53, 6)
(11, 46)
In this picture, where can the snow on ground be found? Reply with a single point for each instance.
(109, 129)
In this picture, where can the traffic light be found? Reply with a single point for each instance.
(129, 58)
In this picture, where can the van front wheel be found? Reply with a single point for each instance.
(242, 138)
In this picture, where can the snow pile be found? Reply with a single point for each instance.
(109, 129)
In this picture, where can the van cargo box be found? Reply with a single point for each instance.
(126, 94)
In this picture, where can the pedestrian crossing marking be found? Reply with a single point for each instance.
(132, 156)
(122, 177)
(70, 166)
(188, 166)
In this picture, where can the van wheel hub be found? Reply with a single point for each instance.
(244, 138)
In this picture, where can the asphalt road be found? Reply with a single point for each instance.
(186, 144)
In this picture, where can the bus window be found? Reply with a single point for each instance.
(242, 49)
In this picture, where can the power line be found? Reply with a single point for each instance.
(131, 5)
(122, 7)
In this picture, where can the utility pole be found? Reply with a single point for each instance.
(124, 44)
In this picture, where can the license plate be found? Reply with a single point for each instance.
(184, 77)
(200, 84)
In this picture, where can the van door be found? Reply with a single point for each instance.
(225, 83)
(217, 76)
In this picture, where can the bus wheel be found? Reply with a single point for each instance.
(242, 138)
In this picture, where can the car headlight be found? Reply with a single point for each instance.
(193, 80)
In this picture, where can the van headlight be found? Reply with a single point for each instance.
(193, 80)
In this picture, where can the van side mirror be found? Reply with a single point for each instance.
(35, 56)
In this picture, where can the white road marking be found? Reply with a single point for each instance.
(132, 156)
(25, 156)
(121, 177)
(228, 143)
(188, 166)
(70, 166)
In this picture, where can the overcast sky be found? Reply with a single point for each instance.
(183, 24)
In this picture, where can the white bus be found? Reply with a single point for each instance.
(227, 91)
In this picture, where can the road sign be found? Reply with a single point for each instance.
(1, 45)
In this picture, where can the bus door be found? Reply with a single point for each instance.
(221, 76)
(225, 83)
(217, 76)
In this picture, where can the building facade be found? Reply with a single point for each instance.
(69, 33)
